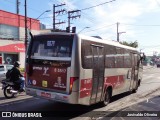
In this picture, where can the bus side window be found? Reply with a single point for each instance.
(86, 54)
(41, 50)
(110, 56)
(119, 57)
(63, 51)
(127, 59)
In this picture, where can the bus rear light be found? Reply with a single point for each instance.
(25, 74)
(72, 79)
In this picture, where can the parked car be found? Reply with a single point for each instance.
(3, 69)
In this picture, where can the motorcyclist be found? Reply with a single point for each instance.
(16, 76)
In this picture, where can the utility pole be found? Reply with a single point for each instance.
(17, 8)
(26, 36)
(117, 32)
(57, 12)
(54, 17)
(71, 15)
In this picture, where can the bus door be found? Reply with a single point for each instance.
(134, 71)
(98, 73)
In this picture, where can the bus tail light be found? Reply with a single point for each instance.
(25, 75)
(72, 79)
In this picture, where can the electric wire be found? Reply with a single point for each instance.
(141, 25)
(98, 5)
(100, 28)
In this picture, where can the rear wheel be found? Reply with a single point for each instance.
(107, 98)
(136, 88)
(7, 92)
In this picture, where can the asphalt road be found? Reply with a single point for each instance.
(151, 82)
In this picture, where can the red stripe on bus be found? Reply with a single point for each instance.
(115, 81)
(86, 87)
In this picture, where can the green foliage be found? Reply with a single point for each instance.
(131, 44)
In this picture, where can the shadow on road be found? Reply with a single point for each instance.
(54, 109)
(148, 109)
(2, 98)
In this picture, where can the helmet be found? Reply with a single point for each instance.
(17, 64)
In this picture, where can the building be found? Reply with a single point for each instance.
(12, 36)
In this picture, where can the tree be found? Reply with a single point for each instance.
(131, 44)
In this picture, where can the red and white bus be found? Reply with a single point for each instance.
(77, 69)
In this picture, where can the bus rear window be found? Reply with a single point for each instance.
(52, 47)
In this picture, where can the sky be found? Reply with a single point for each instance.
(139, 20)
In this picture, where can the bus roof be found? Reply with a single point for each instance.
(109, 42)
(90, 38)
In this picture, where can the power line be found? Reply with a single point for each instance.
(141, 25)
(101, 27)
(98, 5)
(22, 6)
(88, 18)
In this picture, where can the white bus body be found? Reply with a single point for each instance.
(77, 69)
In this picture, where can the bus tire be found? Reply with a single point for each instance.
(107, 97)
(136, 88)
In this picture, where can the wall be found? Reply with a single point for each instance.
(22, 59)
(18, 20)
(12, 34)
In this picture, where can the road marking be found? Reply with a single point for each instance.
(147, 100)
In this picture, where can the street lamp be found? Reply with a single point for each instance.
(118, 34)
(83, 29)
(43, 13)
(40, 16)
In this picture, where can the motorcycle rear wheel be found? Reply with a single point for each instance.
(7, 92)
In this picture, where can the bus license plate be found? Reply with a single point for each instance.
(47, 95)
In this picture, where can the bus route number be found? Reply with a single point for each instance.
(50, 43)
(59, 70)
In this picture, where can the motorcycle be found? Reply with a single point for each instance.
(10, 89)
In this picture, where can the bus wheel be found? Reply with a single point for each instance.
(107, 98)
(136, 88)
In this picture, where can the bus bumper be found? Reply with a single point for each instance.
(65, 98)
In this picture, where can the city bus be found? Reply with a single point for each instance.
(78, 69)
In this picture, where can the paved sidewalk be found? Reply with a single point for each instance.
(148, 67)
